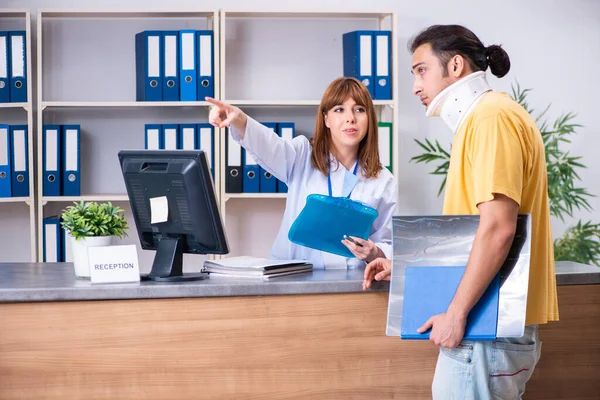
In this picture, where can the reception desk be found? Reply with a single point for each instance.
(310, 336)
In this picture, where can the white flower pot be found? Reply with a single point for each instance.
(80, 253)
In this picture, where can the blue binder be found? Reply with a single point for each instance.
(205, 64)
(187, 65)
(51, 160)
(52, 240)
(66, 246)
(206, 143)
(170, 134)
(325, 220)
(148, 64)
(4, 68)
(170, 60)
(428, 291)
(153, 137)
(18, 67)
(233, 162)
(19, 160)
(268, 183)
(5, 170)
(251, 180)
(188, 137)
(382, 46)
(71, 160)
(358, 53)
(287, 131)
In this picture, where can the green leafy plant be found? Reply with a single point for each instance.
(86, 219)
(581, 242)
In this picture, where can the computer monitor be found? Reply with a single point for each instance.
(175, 209)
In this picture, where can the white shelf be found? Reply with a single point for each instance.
(158, 13)
(15, 199)
(228, 196)
(326, 14)
(15, 105)
(25, 16)
(88, 197)
(14, 12)
(292, 103)
(123, 20)
(122, 104)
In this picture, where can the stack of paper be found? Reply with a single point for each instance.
(246, 266)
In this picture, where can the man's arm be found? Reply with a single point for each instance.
(494, 236)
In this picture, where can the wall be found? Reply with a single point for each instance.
(554, 48)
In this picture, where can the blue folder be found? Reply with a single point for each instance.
(149, 55)
(5, 74)
(18, 67)
(357, 48)
(19, 160)
(170, 59)
(205, 64)
(5, 164)
(428, 291)
(325, 220)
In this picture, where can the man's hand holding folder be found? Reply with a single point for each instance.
(447, 329)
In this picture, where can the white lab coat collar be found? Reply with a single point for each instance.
(335, 165)
(455, 102)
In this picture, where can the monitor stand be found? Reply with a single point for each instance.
(168, 263)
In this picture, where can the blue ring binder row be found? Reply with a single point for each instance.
(243, 174)
(368, 58)
(61, 160)
(188, 136)
(325, 220)
(13, 67)
(14, 161)
(430, 257)
(174, 65)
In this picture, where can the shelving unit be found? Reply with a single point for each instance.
(246, 46)
(13, 236)
(121, 104)
(89, 80)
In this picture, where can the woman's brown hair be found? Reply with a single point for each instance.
(337, 93)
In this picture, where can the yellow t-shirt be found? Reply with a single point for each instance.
(499, 149)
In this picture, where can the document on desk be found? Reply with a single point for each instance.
(255, 266)
(255, 263)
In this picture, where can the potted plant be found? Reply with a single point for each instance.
(89, 224)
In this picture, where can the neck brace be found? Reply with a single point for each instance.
(455, 102)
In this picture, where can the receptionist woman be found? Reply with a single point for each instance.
(345, 141)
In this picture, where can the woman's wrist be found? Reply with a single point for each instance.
(375, 254)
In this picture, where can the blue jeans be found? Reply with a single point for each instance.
(477, 370)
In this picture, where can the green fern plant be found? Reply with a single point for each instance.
(86, 219)
(581, 242)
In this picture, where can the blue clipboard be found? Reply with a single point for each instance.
(325, 220)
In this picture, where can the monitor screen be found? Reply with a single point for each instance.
(174, 206)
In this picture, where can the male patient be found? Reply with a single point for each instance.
(498, 170)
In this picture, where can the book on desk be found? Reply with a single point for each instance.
(247, 266)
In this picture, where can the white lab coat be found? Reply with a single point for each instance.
(290, 163)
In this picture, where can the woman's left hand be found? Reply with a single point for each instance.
(368, 252)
